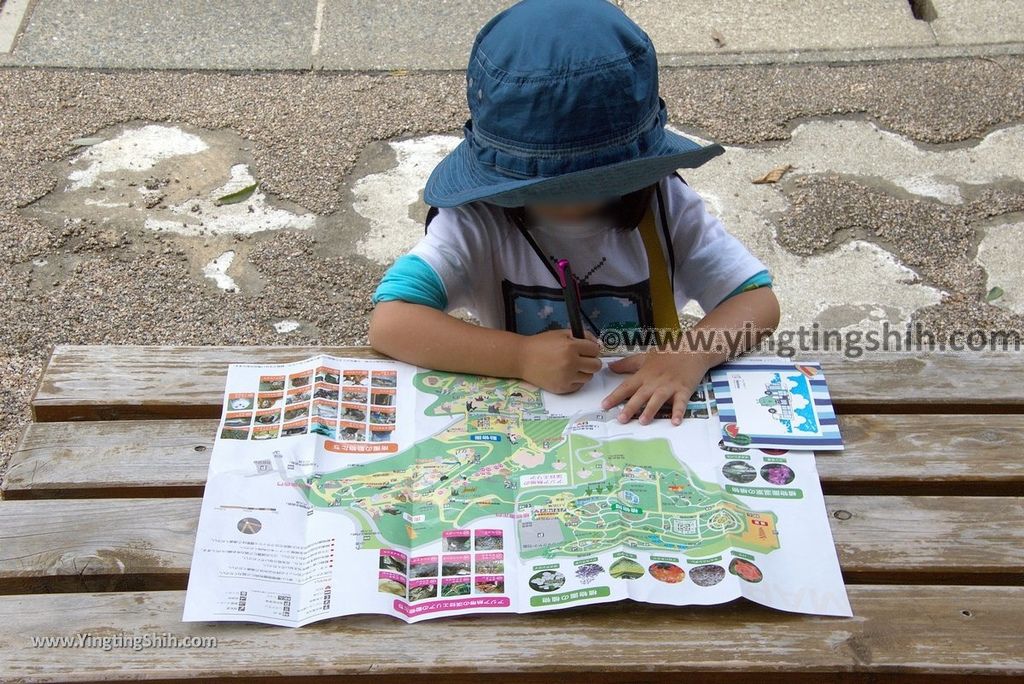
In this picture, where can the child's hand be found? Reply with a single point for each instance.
(558, 362)
(659, 378)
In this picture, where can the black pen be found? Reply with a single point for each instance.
(571, 294)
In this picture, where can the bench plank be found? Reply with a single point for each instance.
(960, 455)
(96, 544)
(139, 458)
(104, 382)
(132, 382)
(119, 544)
(940, 633)
(971, 455)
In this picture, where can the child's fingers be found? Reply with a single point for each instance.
(635, 403)
(587, 347)
(658, 399)
(583, 377)
(679, 407)
(628, 364)
(589, 364)
(620, 394)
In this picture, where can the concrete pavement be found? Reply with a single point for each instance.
(905, 200)
(366, 35)
(341, 159)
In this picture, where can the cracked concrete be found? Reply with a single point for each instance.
(873, 201)
(165, 178)
(217, 271)
(1001, 254)
(103, 277)
(937, 240)
(427, 34)
(895, 225)
(385, 198)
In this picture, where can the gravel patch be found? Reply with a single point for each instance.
(105, 284)
(937, 240)
(308, 129)
(932, 102)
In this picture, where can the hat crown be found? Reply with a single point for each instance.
(561, 76)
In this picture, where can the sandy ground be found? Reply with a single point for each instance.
(308, 131)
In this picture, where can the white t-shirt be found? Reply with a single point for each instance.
(487, 266)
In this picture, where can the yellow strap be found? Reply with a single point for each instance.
(663, 300)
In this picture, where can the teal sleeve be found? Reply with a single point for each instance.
(759, 279)
(411, 279)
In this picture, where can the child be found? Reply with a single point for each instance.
(566, 156)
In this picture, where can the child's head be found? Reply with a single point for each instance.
(565, 114)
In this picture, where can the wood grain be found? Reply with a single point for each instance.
(940, 633)
(117, 544)
(106, 500)
(960, 455)
(143, 458)
(128, 383)
(105, 382)
(971, 455)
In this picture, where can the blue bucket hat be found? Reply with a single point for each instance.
(564, 107)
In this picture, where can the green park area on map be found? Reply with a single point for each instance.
(572, 493)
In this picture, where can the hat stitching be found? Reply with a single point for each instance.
(597, 64)
(554, 149)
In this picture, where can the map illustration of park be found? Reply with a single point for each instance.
(575, 485)
(339, 486)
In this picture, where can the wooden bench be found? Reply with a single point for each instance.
(102, 497)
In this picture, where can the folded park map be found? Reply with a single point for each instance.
(341, 486)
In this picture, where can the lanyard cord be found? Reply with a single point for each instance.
(665, 232)
(661, 280)
(551, 269)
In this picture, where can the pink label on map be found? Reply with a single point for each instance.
(422, 582)
(488, 533)
(483, 602)
(393, 553)
(455, 533)
(490, 578)
(384, 574)
(454, 580)
(423, 559)
(456, 558)
(489, 557)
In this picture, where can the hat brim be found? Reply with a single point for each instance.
(460, 178)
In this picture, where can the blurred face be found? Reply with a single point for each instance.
(566, 213)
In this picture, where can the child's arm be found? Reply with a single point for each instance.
(670, 376)
(429, 337)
